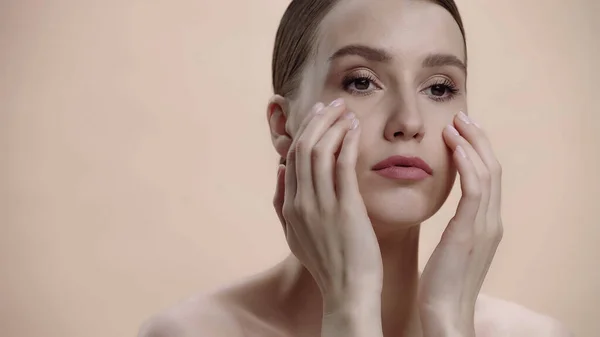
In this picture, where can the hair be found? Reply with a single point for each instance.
(297, 33)
(296, 37)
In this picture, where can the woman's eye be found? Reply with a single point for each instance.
(438, 89)
(360, 85)
(441, 92)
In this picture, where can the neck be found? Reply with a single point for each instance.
(300, 295)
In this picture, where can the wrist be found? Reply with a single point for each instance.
(446, 328)
(352, 316)
(349, 302)
(352, 305)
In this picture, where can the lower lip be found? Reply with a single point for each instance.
(403, 173)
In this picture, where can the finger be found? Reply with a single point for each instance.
(480, 148)
(306, 142)
(324, 158)
(477, 138)
(461, 229)
(475, 135)
(477, 145)
(346, 180)
(291, 180)
(454, 139)
(279, 197)
(316, 110)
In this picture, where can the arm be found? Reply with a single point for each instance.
(210, 319)
(352, 320)
(326, 224)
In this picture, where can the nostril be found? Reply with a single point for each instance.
(404, 135)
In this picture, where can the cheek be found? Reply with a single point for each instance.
(371, 147)
(446, 170)
(438, 115)
(294, 121)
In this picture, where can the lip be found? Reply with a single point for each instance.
(403, 168)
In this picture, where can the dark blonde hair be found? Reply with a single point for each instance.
(296, 36)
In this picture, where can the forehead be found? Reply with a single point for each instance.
(406, 28)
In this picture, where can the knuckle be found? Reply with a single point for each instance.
(303, 148)
(291, 155)
(498, 232)
(276, 202)
(495, 233)
(287, 211)
(293, 149)
(496, 169)
(473, 192)
(303, 208)
(319, 151)
(485, 176)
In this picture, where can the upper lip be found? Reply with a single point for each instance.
(403, 161)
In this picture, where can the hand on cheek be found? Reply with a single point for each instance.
(457, 268)
(323, 215)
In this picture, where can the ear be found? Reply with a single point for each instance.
(277, 113)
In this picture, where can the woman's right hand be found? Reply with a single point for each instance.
(322, 212)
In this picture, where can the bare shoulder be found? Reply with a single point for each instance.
(496, 317)
(199, 316)
(243, 308)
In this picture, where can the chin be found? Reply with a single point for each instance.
(401, 207)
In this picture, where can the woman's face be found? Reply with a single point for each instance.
(399, 66)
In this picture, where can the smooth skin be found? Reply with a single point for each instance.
(353, 234)
(327, 228)
(330, 233)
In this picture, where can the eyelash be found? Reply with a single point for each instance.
(350, 79)
(448, 85)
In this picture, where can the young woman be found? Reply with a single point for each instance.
(370, 119)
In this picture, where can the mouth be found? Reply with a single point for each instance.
(403, 168)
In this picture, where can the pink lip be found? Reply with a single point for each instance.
(403, 168)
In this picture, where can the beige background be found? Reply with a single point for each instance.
(136, 166)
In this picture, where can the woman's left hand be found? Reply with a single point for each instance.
(455, 272)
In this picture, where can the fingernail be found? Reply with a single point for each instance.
(477, 125)
(452, 129)
(337, 102)
(461, 151)
(354, 124)
(318, 108)
(463, 117)
(349, 115)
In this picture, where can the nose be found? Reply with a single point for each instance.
(405, 121)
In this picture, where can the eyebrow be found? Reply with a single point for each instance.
(382, 56)
(440, 60)
(369, 53)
